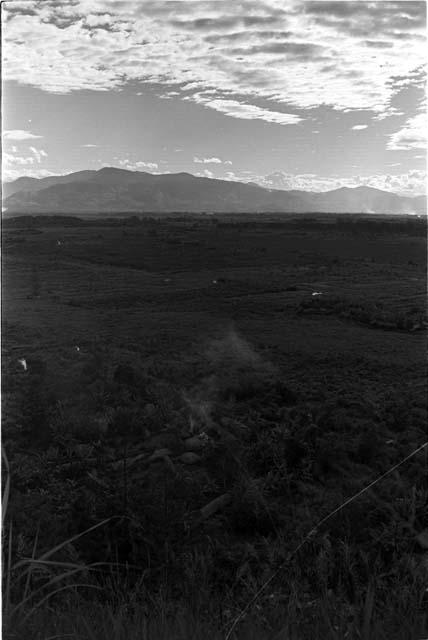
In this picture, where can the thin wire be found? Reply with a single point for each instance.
(312, 531)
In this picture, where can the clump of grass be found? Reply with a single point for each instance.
(29, 583)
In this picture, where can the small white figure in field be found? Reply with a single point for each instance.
(23, 362)
(214, 281)
(167, 280)
(192, 425)
(59, 243)
(317, 293)
(77, 348)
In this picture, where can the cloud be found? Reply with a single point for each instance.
(412, 136)
(378, 44)
(9, 174)
(139, 165)
(14, 166)
(38, 154)
(99, 20)
(165, 96)
(19, 135)
(344, 55)
(390, 111)
(10, 160)
(221, 21)
(298, 50)
(205, 174)
(208, 160)
(90, 146)
(237, 109)
(411, 183)
(359, 127)
(359, 17)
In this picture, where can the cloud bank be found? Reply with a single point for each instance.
(411, 183)
(15, 164)
(251, 60)
(19, 135)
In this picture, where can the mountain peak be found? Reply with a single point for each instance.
(184, 174)
(113, 171)
(361, 188)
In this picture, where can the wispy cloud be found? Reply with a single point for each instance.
(90, 146)
(245, 111)
(344, 55)
(359, 127)
(412, 136)
(19, 135)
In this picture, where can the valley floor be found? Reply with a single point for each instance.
(152, 367)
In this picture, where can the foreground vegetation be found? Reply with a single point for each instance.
(195, 464)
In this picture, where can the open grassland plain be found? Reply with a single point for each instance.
(209, 388)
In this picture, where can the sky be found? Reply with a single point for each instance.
(288, 94)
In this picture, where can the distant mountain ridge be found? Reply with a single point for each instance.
(111, 190)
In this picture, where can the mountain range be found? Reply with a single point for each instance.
(111, 191)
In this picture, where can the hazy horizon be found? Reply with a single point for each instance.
(278, 188)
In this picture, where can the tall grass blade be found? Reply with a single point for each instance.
(65, 565)
(368, 612)
(63, 544)
(6, 492)
(9, 572)
(33, 554)
(51, 582)
(52, 593)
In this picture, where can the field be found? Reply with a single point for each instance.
(215, 386)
